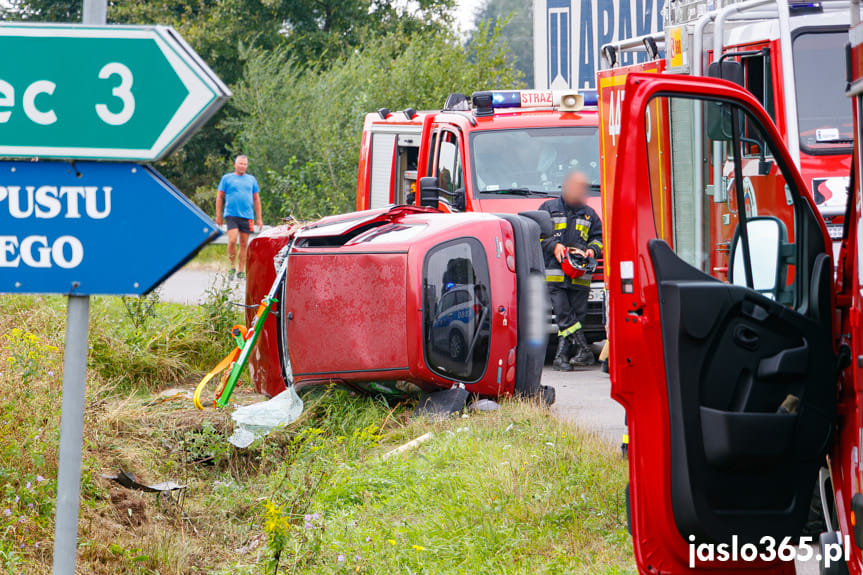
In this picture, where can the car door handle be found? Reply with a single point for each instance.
(746, 337)
(788, 362)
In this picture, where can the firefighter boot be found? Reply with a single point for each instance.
(584, 355)
(563, 355)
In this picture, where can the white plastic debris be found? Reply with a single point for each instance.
(412, 444)
(259, 419)
(483, 405)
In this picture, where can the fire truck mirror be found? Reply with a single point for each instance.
(727, 70)
(459, 200)
(767, 236)
(429, 192)
(718, 120)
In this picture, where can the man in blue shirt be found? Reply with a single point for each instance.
(237, 200)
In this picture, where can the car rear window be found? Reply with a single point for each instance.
(457, 309)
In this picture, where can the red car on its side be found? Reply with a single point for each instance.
(403, 299)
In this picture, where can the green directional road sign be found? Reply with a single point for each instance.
(111, 92)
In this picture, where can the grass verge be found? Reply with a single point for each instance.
(511, 491)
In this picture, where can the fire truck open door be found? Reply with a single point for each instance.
(729, 386)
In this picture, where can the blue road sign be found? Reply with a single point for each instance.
(88, 228)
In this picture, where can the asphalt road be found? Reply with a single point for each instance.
(189, 286)
(583, 397)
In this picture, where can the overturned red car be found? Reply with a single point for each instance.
(403, 299)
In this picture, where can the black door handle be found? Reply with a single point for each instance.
(746, 337)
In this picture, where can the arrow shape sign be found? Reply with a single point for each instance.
(93, 228)
(111, 93)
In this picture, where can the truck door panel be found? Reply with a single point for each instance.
(732, 357)
(729, 429)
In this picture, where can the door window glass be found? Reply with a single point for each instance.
(457, 310)
(717, 188)
(823, 113)
(449, 167)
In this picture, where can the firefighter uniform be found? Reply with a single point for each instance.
(574, 227)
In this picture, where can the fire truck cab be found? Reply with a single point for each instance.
(739, 384)
(495, 152)
(791, 56)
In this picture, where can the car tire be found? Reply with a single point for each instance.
(457, 346)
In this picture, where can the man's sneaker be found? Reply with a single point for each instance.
(231, 273)
(241, 275)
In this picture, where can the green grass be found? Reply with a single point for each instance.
(512, 491)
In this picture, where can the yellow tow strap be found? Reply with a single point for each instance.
(226, 362)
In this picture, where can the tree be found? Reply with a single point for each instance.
(301, 129)
(517, 30)
(219, 31)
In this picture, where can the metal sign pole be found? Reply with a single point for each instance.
(72, 409)
(71, 434)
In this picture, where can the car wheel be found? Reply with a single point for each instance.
(457, 346)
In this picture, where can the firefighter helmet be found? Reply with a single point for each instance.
(576, 265)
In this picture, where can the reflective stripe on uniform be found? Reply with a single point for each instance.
(559, 277)
(596, 243)
(570, 330)
(625, 439)
(583, 227)
(559, 222)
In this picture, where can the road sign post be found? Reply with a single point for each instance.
(75, 351)
(71, 434)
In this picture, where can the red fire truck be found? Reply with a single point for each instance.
(740, 384)
(495, 152)
(788, 54)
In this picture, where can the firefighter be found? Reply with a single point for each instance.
(570, 258)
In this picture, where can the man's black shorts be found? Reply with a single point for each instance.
(235, 223)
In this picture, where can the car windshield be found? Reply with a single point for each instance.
(823, 111)
(532, 161)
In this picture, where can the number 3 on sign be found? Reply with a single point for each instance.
(123, 92)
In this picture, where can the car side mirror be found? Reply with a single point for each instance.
(429, 192)
(767, 247)
(459, 200)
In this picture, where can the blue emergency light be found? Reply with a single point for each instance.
(508, 99)
(798, 8)
(485, 103)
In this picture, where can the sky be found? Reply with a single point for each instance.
(464, 13)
